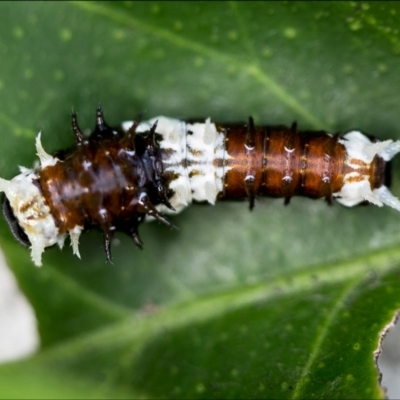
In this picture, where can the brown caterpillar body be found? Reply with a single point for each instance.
(115, 177)
(285, 162)
(106, 182)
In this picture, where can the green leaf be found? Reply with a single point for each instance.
(280, 302)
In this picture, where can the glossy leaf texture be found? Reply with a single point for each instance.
(281, 302)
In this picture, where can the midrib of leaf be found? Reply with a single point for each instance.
(252, 69)
(139, 328)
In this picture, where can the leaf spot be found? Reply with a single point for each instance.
(65, 35)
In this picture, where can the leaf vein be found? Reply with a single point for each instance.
(322, 335)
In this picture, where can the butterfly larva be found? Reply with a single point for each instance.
(116, 176)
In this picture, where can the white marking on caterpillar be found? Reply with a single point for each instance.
(31, 212)
(249, 148)
(45, 158)
(197, 159)
(74, 234)
(356, 186)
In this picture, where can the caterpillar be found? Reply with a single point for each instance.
(115, 177)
